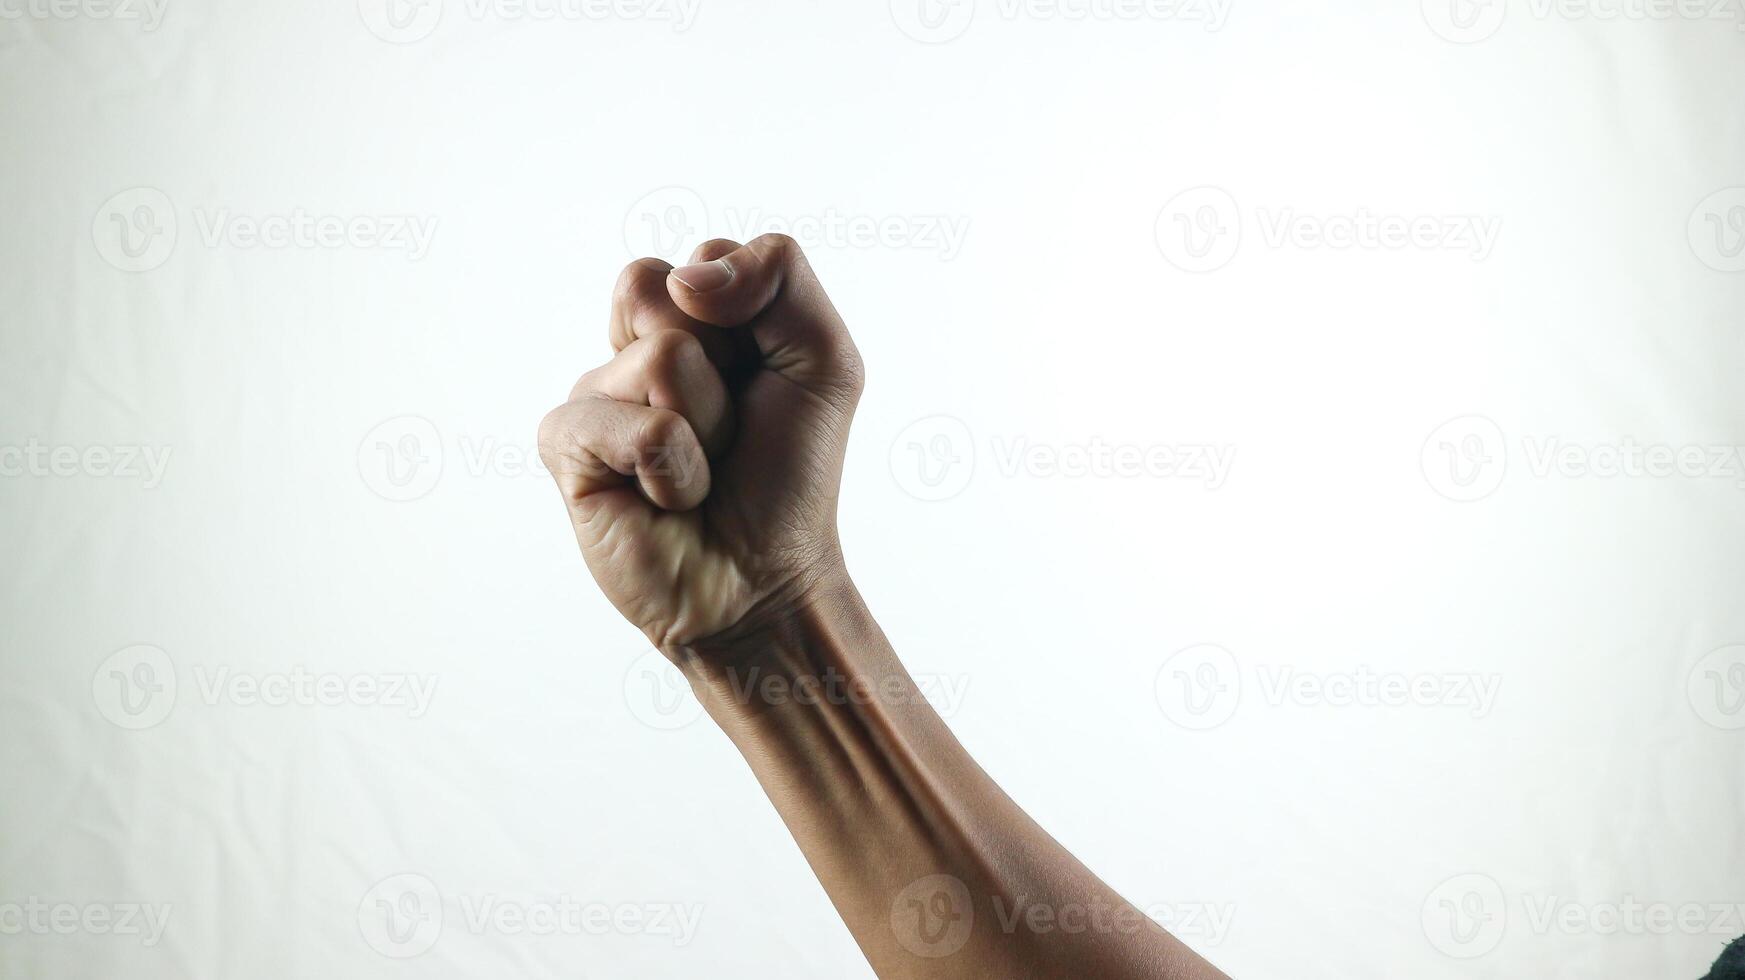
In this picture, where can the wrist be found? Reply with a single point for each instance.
(813, 645)
(819, 588)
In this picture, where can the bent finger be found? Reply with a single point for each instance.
(595, 445)
(667, 369)
(768, 285)
(641, 307)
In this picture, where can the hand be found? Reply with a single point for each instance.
(701, 465)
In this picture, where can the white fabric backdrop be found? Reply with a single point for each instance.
(1298, 458)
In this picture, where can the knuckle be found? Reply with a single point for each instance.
(554, 433)
(634, 280)
(716, 247)
(667, 450)
(845, 371)
(852, 368)
(777, 245)
(662, 431)
(586, 384)
(670, 353)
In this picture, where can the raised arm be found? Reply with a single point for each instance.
(700, 469)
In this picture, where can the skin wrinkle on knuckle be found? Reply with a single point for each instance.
(856, 365)
(632, 294)
(624, 292)
(548, 439)
(633, 279)
(563, 443)
(666, 448)
(668, 353)
(675, 372)
(655, 432)
(836, 349)
(716, 245)
(852, 371)
(776, 245)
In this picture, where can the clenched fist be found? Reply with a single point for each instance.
(700, 465)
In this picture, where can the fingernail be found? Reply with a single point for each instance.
(704, 276)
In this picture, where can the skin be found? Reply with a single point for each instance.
(700, 468)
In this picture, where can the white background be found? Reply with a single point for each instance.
(301, 391)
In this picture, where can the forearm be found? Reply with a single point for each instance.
(935, 870)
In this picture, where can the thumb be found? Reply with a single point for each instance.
(767, 287)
